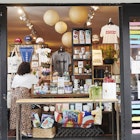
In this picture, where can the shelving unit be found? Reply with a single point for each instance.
(81, 53)
(98, 72)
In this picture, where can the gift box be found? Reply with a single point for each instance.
(109, 90)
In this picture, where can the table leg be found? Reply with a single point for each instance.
(18, 122)
(113, 110)
(117, 121)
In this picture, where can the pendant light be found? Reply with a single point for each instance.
(60, 27)
(67, 39)
(78, 14)
(51, 17)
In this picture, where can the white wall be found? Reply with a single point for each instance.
(67, 1)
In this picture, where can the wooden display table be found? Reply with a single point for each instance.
(66, 100)
(48, 95)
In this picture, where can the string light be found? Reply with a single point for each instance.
(91, 14)
(23, 17)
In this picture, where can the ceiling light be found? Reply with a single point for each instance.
(28, 24)
(34, 37)
(95, 8)
(23, 16)
(88, 23)
(90, 16)
(20, 11)
(31, 26)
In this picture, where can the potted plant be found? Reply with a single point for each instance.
(108, 55)
(87, 68)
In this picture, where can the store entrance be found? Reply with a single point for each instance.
(4, 74)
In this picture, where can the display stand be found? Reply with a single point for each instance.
(20, 102)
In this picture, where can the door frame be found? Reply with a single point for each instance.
(126, 11)
(3, 72)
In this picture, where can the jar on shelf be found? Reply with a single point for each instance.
(81, 89)
(80, 70)
(53, 88)
(66, 76)
(45, 88)
(76, 71)
(68, 88)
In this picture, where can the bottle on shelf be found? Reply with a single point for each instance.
(106, 73)
(76, 69)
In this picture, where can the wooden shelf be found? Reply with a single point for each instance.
(72, 95)
(87, 74)
(82, 59)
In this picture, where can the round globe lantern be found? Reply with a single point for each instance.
(78, 14)
(51, 17)
(60, 27)
(67, 39)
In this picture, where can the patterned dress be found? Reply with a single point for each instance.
(21, 93)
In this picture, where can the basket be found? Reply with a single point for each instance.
(44, 133)
(38, 111)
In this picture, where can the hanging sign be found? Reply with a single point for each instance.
(26, 53)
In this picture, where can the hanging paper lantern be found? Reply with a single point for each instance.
(51, 17)
(18, 41)
(78, 14)
(67, 39)
(61, 27)
(39, 40)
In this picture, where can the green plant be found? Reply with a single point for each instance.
(108, 52)
(87, 66)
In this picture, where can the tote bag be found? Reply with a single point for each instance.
(14, 61)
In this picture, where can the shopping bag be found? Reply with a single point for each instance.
(109, 90)
(14, 61)
(97, 113)
(95, 92)
(116, 67)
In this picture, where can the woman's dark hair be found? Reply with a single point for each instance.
(24, 68)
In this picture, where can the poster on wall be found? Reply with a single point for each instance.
(97, 58)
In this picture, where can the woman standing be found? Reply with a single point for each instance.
(21, 88)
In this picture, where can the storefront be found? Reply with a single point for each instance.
(128, 13)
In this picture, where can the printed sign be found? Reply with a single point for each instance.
(97, 58)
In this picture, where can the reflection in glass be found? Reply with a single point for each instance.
(134, 30)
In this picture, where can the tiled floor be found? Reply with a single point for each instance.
(64, 136)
